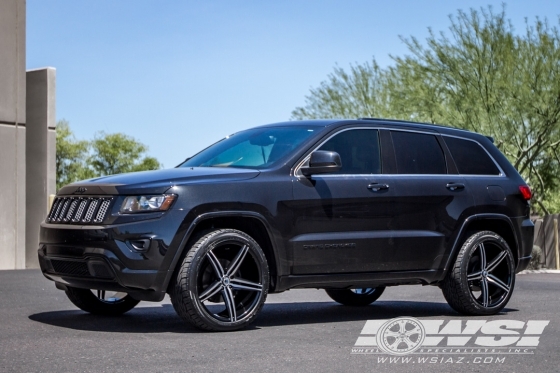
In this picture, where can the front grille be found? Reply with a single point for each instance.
(79, 210)
(70, 267)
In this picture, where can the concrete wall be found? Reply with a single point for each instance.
(40, 156)
(12, 134)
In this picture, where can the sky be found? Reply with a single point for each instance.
(178, 75)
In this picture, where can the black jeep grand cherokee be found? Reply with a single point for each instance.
(350, 206)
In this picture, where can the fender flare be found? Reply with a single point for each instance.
(457, 244)
(218, 214)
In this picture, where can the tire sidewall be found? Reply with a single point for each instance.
(469, 250)
(200, 249)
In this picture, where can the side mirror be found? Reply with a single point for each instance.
(322, 162)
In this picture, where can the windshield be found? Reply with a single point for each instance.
(254, 148)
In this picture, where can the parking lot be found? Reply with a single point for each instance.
(297, 331)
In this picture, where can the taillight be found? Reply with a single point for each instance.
(525, 192)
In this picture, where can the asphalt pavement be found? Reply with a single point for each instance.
(297, 331)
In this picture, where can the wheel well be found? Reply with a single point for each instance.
(253, 227)
(501, 227)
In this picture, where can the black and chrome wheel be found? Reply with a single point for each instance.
(101, 302)
(357, 296)
(481, 281)
(223, 281)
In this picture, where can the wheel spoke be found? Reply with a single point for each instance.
(236, 262)
(497, 282)
(497, 260)
(229, 300)
(239, 284)
(474, 276)
(210, 291)
(482, 256)
(416, 330)
(408, 341)
(218, 269)
(362, 291)
(390, 333)
(484, 292)
(395, 344)
(402, 326)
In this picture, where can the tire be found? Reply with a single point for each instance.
(222, 282)
(100, 302)
(355, 297)
(482, 280)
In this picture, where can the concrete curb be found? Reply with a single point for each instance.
(539, 271)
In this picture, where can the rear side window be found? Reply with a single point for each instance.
(358, 150)
(418, 153)
(470, 157)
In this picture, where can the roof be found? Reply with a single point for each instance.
(394, 123)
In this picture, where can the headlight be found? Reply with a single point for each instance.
(134, 204)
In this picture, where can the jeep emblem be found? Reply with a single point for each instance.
(80, 190)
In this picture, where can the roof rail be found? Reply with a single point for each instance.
(409, 122)
(391, 120)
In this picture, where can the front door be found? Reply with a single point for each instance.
(342, 219)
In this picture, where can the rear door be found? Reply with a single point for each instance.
(431, 200)
(484, 177)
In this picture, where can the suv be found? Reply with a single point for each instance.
(349, 206)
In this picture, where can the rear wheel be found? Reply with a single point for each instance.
(101, 302)
(222, 283)
(481, 281)
(357, 296)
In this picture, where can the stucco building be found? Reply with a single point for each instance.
(27, 142)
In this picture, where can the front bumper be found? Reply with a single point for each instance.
(133, 258)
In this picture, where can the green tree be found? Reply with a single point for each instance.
(71, 155)
(358, 93)
(480, 76)
(106, 154)
(116, 153)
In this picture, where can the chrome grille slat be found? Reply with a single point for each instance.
(91, 209)
(58, 207)
(79, 210)
(53, 209)
(63, 210)
(71, 210)
(102, 211)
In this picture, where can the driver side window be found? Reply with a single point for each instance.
(358, 149)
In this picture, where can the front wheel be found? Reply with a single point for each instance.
(222, 283)
(481, 281)
(101, 302)
(355, 297)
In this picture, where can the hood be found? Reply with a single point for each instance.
(156, 182)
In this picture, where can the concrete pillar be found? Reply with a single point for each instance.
(41, 154)
(12, 134)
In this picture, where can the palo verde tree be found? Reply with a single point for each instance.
(480, 75)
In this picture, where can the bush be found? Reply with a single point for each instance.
(536, 254)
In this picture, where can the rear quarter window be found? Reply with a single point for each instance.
(418, 153)
(470, 158)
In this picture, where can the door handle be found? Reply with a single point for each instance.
(377, 187)
(455, 186)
